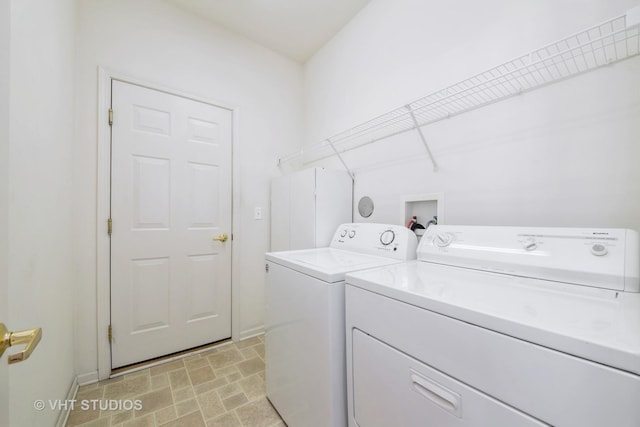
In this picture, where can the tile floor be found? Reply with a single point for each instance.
(221, 387)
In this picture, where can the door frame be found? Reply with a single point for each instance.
(103, 292)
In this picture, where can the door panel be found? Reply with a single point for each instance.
(170, 195)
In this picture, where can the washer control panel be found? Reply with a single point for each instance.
(387, 237)
(604, 258)
(393, 241)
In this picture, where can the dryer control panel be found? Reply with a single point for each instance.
(603, 258)
(392, 241)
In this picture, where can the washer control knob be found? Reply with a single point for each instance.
(442, 240)
(599, 250)
(352, 234)
(343, 233)
(387, 237)
(530, 244)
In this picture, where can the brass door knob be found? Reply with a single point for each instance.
(221, 238)
(29, 337)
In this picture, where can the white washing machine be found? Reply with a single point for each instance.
(305, 338)
(498, 327)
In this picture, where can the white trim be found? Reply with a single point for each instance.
(235, 226)
(64, 413)
(88, 378)
(250, 333)
(170, 359)
(103, 294)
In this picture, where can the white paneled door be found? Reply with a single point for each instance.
(171, 212)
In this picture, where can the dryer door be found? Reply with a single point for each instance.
(391, 388)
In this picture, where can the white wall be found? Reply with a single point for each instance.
(5, 32)
(564, 155)
(152, 41)
(40, 229)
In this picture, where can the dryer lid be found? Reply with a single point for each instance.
(603, 258)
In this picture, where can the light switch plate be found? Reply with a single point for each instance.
(257, 213)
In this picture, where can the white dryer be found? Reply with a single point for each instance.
(305, 338)
(498, 327)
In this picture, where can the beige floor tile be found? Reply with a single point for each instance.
(228, 390)
(194, 419)
(159, 381)
(234, 401)
(201, 375)
(154, 400)
(184, 394)
(195, 362)
(259, 349)
(146, 421)
(165, 415)
(211, 385)
(118, 418)
(141, 373)
(221, 347)
(91, 386)
(258, 413)
(233, 377)
(248, 342)
(89, 394)
(224, 386)
(100, 422)
(127, 387)
(186, 407)
(248, 353)
(166, 367)
(78, 416)
(179, 379)
(230, 419)
(211, 405)
(227, 370)
(253, 386)
(225, 358)
(111, 380)
(251, 366)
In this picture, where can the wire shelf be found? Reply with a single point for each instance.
(609, 42)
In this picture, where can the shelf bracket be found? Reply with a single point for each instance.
(422, 138)
(289, 157)
(340, 158)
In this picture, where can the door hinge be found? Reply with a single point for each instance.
(110, 333)
(266, 268)
(109, 226)
(110, 116)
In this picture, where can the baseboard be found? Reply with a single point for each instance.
(88, 378)
(64, 413)
(250, 333)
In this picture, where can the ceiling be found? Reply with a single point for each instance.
(295, 28)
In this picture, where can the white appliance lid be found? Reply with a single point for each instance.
(604, 258)
(600, 325)
(327, 264)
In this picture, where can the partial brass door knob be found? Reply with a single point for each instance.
(221, 238)
(30, 337)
